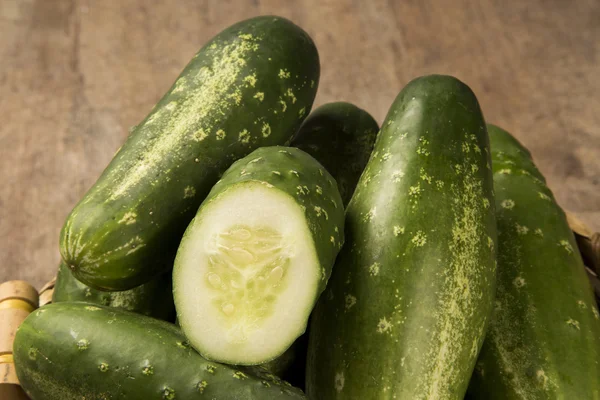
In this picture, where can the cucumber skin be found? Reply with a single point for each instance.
(290, 366)
(301, 177)
(542, 284)
(75, 350)
(279, 365)
(154, 299)
(341, 137)
(249, 86)
(378, 330)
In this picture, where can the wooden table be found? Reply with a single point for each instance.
(76, 74)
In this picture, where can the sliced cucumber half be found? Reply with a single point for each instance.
(248, 271)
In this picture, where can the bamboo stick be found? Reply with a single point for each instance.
(17, 300)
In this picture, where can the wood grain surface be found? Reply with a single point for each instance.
(76, 74)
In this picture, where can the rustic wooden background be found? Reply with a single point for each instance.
(76, 74)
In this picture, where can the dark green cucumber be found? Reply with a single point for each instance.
(544, 339)
(257, 256)
(154, 298)
(294, 371)
(249, 86)
(74, 351)
(341, 137)
(407, 305)
(281, 364)
(291, 365)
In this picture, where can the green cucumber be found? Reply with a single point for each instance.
(281, 364)
(294, 371)
(74, 351)
(544, 339)
(154, 298)
(291, 365)
(249, 86)
(341, 137)
(257, 255)
(407, 305)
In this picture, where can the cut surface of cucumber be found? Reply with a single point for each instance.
(256, 257)
(246, 267)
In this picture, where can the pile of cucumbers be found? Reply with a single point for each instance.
(238, 242)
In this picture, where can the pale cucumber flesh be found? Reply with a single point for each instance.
(246, 268)
(246, 275)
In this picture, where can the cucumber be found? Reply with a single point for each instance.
(295, 371)
(68, 351)
(154, 298)
(281, 364)
(544, 339)
(291, 365)
(341, 137)
(249, 86)
(254, 260)
(407, 305)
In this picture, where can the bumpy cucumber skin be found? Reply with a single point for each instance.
(341, 137)
(407, 305)
(154, 298)
(251, 85)
(544, 339)
(69, 351)
(300, 176)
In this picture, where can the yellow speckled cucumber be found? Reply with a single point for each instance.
(544, 339)
(74, 351)
(249, 86)
(257, 255)
(406, 309)
(341, 137)
(154, 298)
